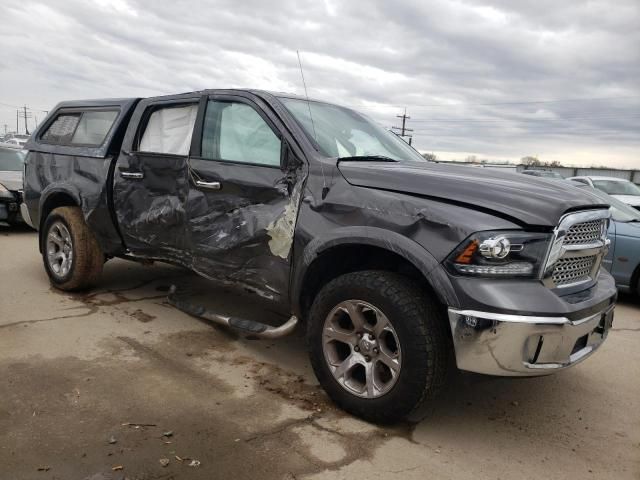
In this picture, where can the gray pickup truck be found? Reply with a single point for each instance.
(399, 268)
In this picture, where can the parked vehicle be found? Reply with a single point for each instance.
(393, 263)
(623, 259)
(11, 167)
(17, 140)
(544, 174)
(624, 190)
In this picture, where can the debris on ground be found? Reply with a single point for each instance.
(164, 462)
(194, 463)
(168, 433)
(44, 468)
(117, 468)
(129, 424)
(112, 440)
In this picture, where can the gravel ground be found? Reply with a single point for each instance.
(116, 383)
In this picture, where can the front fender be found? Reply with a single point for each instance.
(394, 242)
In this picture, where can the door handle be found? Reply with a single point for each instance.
(132, 175)
(208, 185)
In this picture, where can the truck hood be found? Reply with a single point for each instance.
(525, 200)
(633, 200)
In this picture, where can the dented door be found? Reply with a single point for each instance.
(151, 181)
(242, 204)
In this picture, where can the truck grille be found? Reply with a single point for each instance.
(573, 270)
(579, 245)
(584, 233)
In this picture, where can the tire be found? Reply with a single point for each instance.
(418, 340)
(81, 249)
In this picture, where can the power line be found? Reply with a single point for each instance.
(18, 106)
(523, 102)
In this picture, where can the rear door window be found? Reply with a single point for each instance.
(93, 127)
(87, 128)
(169, 130)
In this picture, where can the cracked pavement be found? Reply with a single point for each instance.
(77, 370)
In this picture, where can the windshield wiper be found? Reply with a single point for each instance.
(368, 158)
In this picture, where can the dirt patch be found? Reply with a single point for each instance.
(142, 316)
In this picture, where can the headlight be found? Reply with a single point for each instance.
(500, 254)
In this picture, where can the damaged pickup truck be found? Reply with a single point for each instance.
(399, 268)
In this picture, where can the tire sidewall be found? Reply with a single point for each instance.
(413, 378)
(51, 219)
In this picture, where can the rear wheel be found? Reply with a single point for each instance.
(378, 344)
(72, 257)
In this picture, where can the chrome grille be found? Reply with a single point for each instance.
(573, 270)
(577, 249)
(584, 233)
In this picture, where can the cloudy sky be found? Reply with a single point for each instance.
(497, 79)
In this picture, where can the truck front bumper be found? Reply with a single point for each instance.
(521, 345)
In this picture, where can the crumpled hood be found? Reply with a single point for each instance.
(11, 180)
(524, 199)
(633, 200)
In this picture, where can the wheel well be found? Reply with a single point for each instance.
(342, 259)
(53, 201)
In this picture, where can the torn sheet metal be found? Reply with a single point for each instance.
(281, 229)
(232, 230)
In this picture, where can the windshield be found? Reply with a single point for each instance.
(11, 160)
(343, 133)
(620, 212)
(617, 187)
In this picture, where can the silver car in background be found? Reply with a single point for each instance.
(624, 190)
(11, 171)
(623, 258)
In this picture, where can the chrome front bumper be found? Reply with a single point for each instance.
(517, 345)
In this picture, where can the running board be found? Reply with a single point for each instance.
(248, 327)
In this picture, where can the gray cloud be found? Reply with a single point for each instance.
(477, 77)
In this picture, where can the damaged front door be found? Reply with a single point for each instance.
(242, 204)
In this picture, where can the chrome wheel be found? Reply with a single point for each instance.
(59, 249)
(361, 348)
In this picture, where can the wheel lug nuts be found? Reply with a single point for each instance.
(356, 348)
(375, 350)
(367, 358)
(371, 337)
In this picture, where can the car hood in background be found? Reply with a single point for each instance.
(628, 229)
(526, 199)
(633, 200)
(11, 180)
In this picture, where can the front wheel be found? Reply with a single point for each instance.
(378, 344)
(72, 257)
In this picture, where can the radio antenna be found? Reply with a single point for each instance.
(304, 84)
(325, 189)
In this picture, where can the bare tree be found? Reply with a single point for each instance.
(531, 161)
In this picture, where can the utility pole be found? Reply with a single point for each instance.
(17, 121)
(403, 129)
(26, 130)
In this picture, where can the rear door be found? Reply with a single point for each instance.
(151, 179)
(244, 195)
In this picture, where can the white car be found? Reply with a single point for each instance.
(623, 190)
(17, 141)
